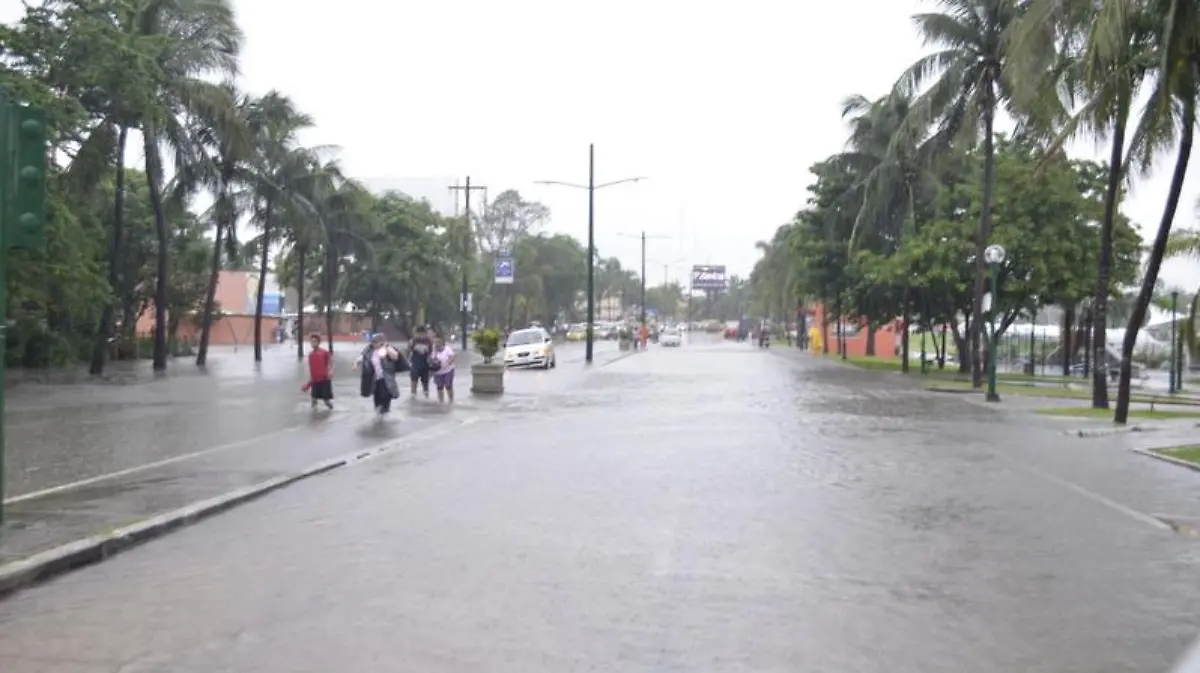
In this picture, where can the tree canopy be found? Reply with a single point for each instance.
(122, 241)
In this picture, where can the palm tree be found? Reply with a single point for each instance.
(339, 221)
(274, 122)
(894, 171)
(959, 88)
(199, 38)
(1103, 58)
(1184, 243)
(1169, 117)
(224, 165)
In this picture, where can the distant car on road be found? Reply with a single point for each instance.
(671, 337)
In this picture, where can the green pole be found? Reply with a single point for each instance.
(7, 161)
(992, 395)
(23, 167)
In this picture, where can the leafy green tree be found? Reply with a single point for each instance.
(959, 88)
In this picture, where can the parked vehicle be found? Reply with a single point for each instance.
(671, 337)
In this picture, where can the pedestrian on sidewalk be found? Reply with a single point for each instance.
(379, 363)
(419, 350)
(320, 373)
(442, 365)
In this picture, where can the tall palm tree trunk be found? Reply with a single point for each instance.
(301, 254)
(329, 278)
(263, 258)
(210, 292)
(163, 267)
(985, 230)
(1068, 338)
(906, 294)
(1104, 271)
(116, 258)
(1157, 252)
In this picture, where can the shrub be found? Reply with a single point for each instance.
(487, 342)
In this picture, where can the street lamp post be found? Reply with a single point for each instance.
(591, 188)
(1173, 382)
(994, 256)
(643, 238)
(667, 275)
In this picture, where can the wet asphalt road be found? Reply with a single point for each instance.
(232, 407)
(711, 508)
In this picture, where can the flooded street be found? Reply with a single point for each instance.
(710, 508)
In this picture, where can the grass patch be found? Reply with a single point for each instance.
(893, 364)
(1189, 453)
(1060, 392)
(1089, 412)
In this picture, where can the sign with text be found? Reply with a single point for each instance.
(505, 270)
(707, 277)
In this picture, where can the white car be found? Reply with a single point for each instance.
(530, 348)
(670, 337)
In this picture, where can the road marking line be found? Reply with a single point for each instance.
(150, 466)
(1096, 497)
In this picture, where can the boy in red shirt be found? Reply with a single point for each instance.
(320, 373)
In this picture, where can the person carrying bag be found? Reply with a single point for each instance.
(379, 363)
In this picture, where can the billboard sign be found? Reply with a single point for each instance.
(505, 270)
(708, 277)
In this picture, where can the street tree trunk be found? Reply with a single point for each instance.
(1068, 339)
(1187, 131)
(985, 231)
(161, 298)
(263, 259)
(116, 259)
(210, 292)
(300, 335)
(1112, 194)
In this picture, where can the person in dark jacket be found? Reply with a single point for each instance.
(379, 363)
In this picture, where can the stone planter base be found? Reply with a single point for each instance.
(625, 344)
(487, 379)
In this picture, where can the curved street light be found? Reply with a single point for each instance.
(591, 188)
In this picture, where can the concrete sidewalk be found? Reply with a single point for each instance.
(95, 466)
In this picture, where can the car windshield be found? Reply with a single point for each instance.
(525, 338)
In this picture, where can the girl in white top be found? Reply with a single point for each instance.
(443, 375)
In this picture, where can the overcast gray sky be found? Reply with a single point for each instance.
(723, 109)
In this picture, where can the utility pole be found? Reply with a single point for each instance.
(463, 299)
(591, 188)
(22, 206)
(591, 284)
(643, 238)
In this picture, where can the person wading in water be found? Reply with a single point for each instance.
(320, 373)
(379, 363)
(442, 362)
(419, 350)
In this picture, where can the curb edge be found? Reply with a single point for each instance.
(1150, 453)
(93, 549)
(50, 563)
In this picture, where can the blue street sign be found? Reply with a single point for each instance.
(505, 270)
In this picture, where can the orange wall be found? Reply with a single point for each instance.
(887, 337)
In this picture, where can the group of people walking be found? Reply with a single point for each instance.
(427, 358)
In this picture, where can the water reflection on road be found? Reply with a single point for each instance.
(710, 508)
